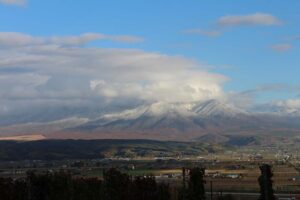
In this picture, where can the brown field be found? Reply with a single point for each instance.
(247, 182)
(282, 180)
(24, 138)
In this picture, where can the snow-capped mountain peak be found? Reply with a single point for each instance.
(168, 114)
(158, 109)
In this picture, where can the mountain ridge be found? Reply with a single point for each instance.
(162, 120)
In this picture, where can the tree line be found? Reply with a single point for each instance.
(114, 185)
(62, 186)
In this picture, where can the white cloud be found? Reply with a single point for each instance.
(249, 20)
(18, 86)
(56, 69)
(242, 100)
(290, 103)
(18, 39)
(13, 2)
(247, 99)
(282, 47)
(289, 106)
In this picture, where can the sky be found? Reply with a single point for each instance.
(93, 52)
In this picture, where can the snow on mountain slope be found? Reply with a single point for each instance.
(216, 108)
(154, 116)
(164, 116)
(161, 109)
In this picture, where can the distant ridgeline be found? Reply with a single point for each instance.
(93, 149)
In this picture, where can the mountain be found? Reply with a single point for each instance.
(175, 121)
(151, 117)
(202, 121)
(175, 117)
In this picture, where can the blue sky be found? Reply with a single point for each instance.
(249, 55)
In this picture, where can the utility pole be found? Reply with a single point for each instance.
(265, 181)
(211, 190)
(184, 195)
(183, 178)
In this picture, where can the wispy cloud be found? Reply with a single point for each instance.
(282, 47)
(262, 19)
(198, 31)
(13, 2)
(256, 19)
(273, 88)
(291, 38)
(20, 39)
(87, 37)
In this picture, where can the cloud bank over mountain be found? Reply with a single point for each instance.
(64, 71)
(63, 85)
